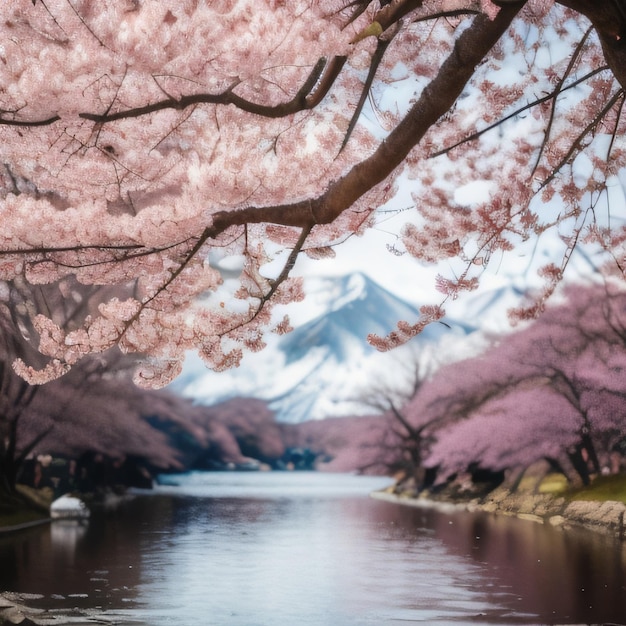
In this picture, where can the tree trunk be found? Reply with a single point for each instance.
(570, 471)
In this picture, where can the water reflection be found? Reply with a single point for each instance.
(65, 535)
(315, 557)
(245, 560)
(69, 564)
(563, 577)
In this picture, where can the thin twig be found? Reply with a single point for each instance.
(575, 145)
(558, 89)
(377, 58)
(526, 107)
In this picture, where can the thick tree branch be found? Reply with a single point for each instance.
(435, 101)
(609, 19)
(395, 11)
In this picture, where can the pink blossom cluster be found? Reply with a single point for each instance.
(139, 139)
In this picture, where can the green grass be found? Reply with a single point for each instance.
(554, 484)
(603, 488)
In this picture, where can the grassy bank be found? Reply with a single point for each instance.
(602, 489)
(600, 506)
(26, 508)
(20, 518)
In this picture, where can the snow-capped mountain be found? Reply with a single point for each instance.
(325, 366)
(355, 307)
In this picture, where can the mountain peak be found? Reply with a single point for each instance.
(350, 288)
(354, 307)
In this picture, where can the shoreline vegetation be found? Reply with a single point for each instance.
(30, 507)
(601, 504)
(600, 507)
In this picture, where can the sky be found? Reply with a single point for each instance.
(414, 281)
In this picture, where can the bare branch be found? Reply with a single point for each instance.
(570, 66)
(29, 123)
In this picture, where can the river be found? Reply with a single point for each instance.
(265, 549)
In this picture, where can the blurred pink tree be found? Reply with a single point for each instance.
(147, 142)
(94, 408)
(554, 390)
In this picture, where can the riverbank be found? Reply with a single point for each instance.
(15, 612)
(31, 508)
(607, 517)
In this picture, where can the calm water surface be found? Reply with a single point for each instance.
(310, 549)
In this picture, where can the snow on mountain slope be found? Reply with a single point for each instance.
(325, 366)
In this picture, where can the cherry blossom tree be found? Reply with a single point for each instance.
(108, 415)
(510, 432)
(15, 395)
(158, 143)
(67, 303)
(554, 390)
(401, 443)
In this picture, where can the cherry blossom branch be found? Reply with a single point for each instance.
(553, 94)
(313, 90)
(435, 100)
(52, 249)
(360, 7)
(575, 145)
(190, 255)
(375, 62)
(275, 283)
(212, 183)
(141, 251)
(609, 20)
(552, 274)
(559, 87)
(616, 126)
(28, 123)
(174, 274)
(388, 15)
(445, 15)
(291, 261)
(84, 23)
